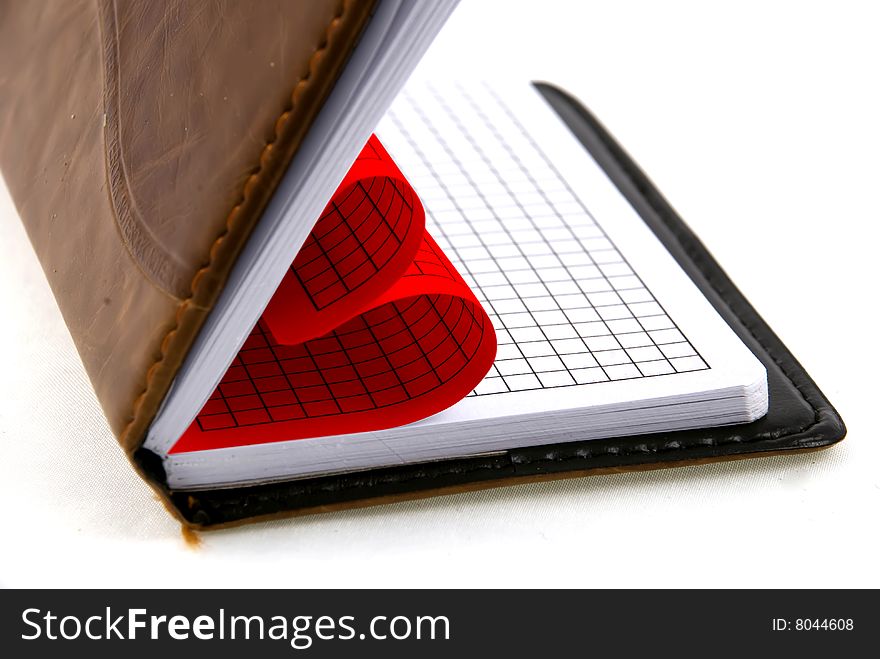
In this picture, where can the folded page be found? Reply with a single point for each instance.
(371, 328)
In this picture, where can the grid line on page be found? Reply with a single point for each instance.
(355, 237)
(390, 354)
(549, 163)
(567, 306)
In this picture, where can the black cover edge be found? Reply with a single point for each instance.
(808, 423)
(827, 426)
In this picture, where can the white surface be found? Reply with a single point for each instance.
(759, 123)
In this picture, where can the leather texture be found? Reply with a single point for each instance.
(140, 141)
(800, 418)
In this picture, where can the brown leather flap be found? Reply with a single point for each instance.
(140, 141)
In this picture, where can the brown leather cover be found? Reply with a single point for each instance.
(140, 141)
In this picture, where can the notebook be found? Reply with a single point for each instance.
(287, 303)
(379, 347)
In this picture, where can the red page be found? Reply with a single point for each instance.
(371, 328)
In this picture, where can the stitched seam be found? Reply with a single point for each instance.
(298, 88)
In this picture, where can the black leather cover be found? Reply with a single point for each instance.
(800, 417)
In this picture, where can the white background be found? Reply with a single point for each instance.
(759, 122)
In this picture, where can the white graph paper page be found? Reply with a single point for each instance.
(600, 332)
(589, 307)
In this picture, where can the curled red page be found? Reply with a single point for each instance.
(371, 328)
